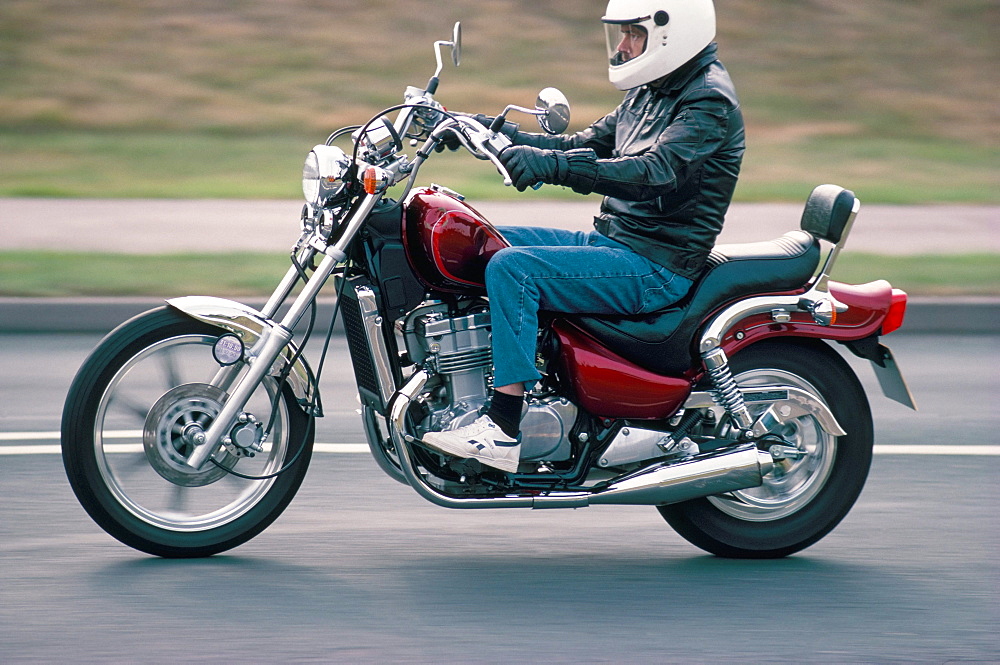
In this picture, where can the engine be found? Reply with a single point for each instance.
(456, 350)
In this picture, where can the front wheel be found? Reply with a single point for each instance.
(802, 499)
(130, 422)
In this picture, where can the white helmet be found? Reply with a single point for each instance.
(662, 35)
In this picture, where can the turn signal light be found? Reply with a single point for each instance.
(375, 180)
(897, 310)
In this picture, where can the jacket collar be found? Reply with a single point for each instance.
(682, 76)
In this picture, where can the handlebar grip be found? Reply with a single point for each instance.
(495, 158)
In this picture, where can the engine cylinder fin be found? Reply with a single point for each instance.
(463, 361)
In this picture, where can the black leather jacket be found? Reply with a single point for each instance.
(666, 159)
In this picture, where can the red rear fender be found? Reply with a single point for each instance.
(872, 309)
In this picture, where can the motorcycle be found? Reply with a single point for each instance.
(190, 427)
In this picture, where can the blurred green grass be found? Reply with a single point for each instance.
(50, 274)
(209, 98)
(897, 101)
(111, 164)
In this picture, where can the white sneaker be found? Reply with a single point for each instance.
(481, 439)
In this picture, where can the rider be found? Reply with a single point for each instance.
(666, 160)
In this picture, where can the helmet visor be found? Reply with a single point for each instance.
(626, 41)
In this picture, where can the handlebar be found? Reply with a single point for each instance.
(426, 117)
(477, 139)
(384, 140)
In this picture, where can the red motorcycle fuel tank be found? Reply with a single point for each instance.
(447, 242)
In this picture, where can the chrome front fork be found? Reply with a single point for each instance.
(266, 352)
(260, 358)
(274, 338)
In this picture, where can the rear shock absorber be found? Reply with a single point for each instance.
(726, 392)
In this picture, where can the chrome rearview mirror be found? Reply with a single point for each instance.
(456, 43)
(553, 110)
(456, 55)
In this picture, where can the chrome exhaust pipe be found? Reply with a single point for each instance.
(656, 485)
(704, 475)
(398, 406)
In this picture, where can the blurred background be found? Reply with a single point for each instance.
(222, 99)
(899, 101)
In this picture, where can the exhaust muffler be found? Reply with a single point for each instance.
(704, 475)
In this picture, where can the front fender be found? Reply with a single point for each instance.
(249, 325)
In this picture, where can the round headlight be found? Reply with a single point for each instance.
(310, 178)
(324, 174)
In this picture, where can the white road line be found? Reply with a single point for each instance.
(54, 436)
(341, 448)
(936, 450)
(118, 448)
(357, 448)
(30, 450)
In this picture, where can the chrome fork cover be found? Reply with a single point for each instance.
(249, 325)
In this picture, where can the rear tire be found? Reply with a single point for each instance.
(124, 442)
(801, 500)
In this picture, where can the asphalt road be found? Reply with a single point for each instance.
(360, 569)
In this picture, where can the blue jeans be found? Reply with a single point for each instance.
(575, 272)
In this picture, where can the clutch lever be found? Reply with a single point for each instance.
(492, 145)
(481, 141)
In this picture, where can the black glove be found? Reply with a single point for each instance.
(529, 166)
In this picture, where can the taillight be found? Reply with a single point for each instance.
(897, 310)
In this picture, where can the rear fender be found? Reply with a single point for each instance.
(859, 314)
(864, 308)
(249, 325)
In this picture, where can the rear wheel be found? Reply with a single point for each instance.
(131, 420)
(806, 495)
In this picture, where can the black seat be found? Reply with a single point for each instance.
(663, 342)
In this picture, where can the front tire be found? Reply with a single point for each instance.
(801, 500)
(126, 434)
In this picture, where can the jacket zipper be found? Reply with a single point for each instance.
(639, 126)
